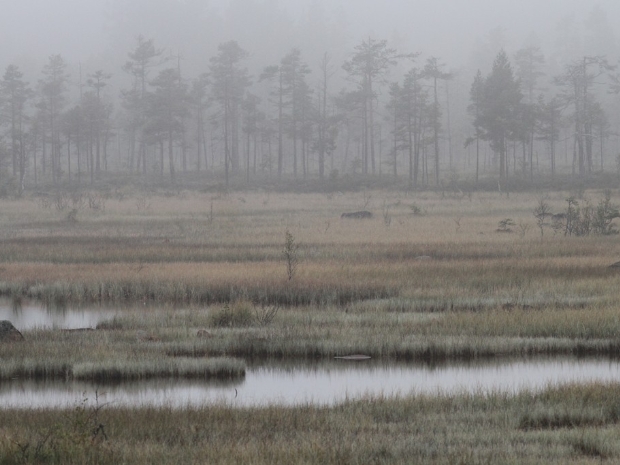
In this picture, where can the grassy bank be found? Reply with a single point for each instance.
(209, 342)
(568, 425)
(107, 356)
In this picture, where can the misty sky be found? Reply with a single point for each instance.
(464, 35)
(81, 30)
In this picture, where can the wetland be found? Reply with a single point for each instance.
(505, 345)
(320, 384)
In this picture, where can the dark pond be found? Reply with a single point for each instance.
(324, 383)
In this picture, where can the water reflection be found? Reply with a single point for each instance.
(322, 384)
(26, 315)
(172, 393)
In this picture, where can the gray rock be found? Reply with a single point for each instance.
(8, 332)
(203, 333)
(357, 215)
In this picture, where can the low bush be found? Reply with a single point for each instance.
(237, 314)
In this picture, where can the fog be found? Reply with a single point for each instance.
(464, 35)
(94, 30)
(99, 33)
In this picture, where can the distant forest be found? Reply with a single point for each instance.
(379, 112)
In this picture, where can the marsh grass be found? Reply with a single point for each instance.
(444, 429)
(238, 314)
(187, 284)
(597, 322)
(215, 368)
(420, 289)
(310, 333)
(195, 249)
(594, 444)
(538, 280)
(120, 370)
(145, 342)
(133, 347)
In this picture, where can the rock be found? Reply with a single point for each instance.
(203, 333)
(357, 215)
(8, 332)
(615, 265)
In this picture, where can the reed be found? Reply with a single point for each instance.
(436, 282)
(215, 368)
(134, 353)
(444, 429)
(148, 341)
(119, 370)
(180, 251)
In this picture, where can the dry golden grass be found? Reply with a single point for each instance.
(195, 243)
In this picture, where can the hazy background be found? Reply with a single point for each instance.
(101, 32)
(465, 36)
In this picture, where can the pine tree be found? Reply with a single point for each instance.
(169, 104)
(499, 115)
(326, 132)
(141, 60)
(15, 94)
(229, 82)
(367, 67)
(433, 71)
(98, 81)
(476, 94)
(53, 88)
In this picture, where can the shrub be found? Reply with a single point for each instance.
(238, 314)
(585, 219)
(265, 314)
(541, 213)
(505, 225)
(605, 213)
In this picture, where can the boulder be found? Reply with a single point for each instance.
(203, 333)
(8, 332)
(357, 215)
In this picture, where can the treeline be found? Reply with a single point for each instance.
(394, 116)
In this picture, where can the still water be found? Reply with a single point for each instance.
(321, 384)
(29, 315)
